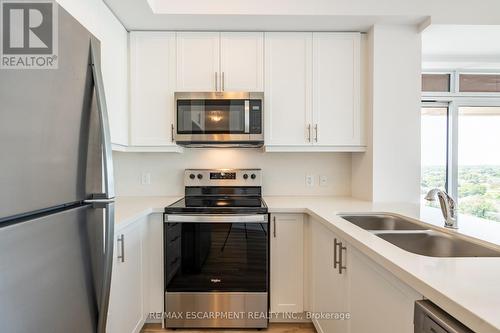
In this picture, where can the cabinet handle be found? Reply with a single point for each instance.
(341, 265)
(274, 226)
(172, 132)
(121, 239)
(216, 75)
(223, 81)
(335, 244)
(316, 133)
(308, 129)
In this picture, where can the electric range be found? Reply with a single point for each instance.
(216, 251)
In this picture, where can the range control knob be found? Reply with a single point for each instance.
(253, 176)
(192, 176)
(200, 176)
(245, 176)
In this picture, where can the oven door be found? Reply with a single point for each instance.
(216, 253)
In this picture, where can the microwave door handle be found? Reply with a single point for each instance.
(247, 116)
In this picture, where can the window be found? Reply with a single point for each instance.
(460, 143)
(436, 82)
(479, 83)
(434, 148)
(479, 161)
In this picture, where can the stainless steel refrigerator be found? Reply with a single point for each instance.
(56, 192)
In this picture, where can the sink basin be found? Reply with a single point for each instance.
(437, 244)
(382, 222)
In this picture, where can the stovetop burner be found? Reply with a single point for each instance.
(222, 191)
(218, 205)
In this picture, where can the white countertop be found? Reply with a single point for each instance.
(130, 209)
(468, 288)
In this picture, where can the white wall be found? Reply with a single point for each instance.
(394, 150)
(283, 173)
(99, 20)
(362, 163)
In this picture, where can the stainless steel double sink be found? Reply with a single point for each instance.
(417, 238)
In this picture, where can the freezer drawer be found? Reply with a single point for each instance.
(429, 318)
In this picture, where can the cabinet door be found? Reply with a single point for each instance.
(287, 274)
(379, 301)
(154, 261)
(287, 77)
(126, 311)
(152, 85)
(329, 288)
(336, 95)
(198, 61)
(241, 60)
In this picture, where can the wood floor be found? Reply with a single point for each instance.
(273, 328)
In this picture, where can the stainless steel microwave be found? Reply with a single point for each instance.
(219, 119)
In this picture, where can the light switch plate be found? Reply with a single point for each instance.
(323, 181)
(146, 178)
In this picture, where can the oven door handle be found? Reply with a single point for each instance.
(213, 218)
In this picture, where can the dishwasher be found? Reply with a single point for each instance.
(429, 318)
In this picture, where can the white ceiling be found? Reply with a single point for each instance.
(254, 15)
(451, 40)
(306, 15)
(462, 46)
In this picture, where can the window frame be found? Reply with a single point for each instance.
(455, 100)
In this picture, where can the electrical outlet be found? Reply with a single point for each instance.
(323, 181)
(146, 178)
(309, 180)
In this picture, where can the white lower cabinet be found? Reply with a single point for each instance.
(287, 258)
(379, 301)
(374, 299)
(154, 237)
(137, 280)
(126, 306)
(329, 288)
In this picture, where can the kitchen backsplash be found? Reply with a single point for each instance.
(161, 174)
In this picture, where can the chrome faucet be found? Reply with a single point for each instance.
(448, 207)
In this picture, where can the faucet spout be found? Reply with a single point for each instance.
(448, 207)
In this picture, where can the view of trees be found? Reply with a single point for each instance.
(478, 188)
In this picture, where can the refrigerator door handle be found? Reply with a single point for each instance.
(99, 203)
(103, 117)
(109, 191)
(109, 224)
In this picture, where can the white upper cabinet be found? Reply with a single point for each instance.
(312, 92)
(336, 89)
(288, 90)
(311, 81)
(198, 61)
(241, 61)
(152, 85)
